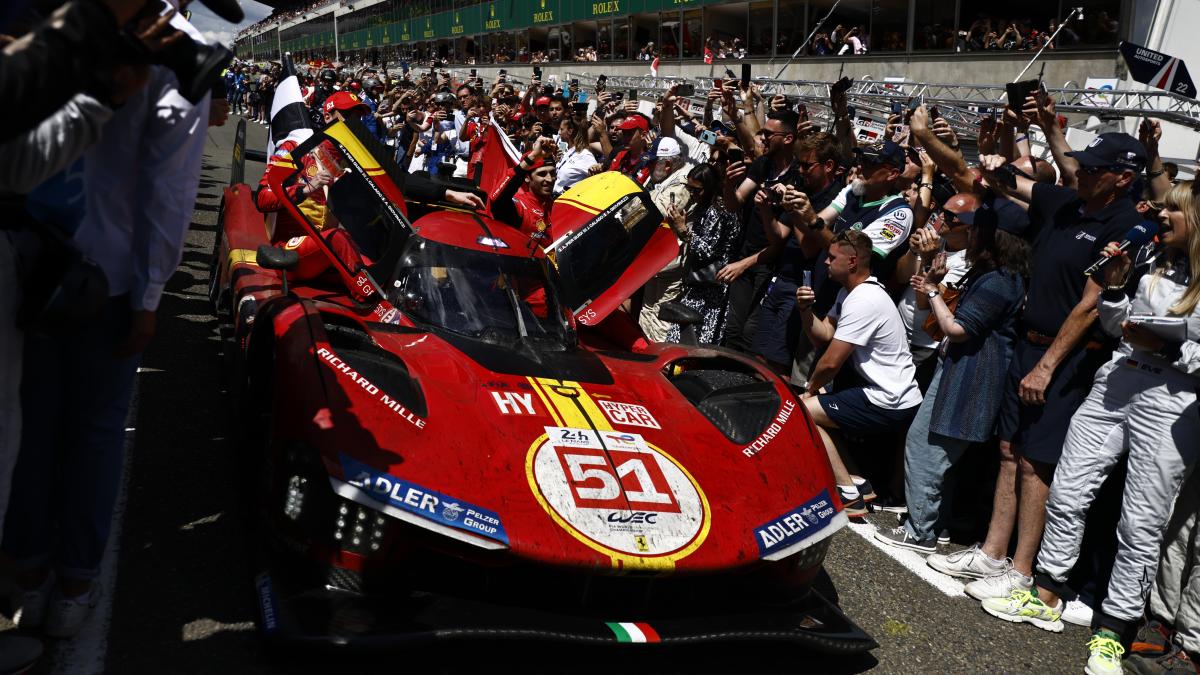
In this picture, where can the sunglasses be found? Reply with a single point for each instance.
(767, 134)
(693, 190)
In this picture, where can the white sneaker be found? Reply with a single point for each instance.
(970, 563)
(999, 585)
(29, 604)
(67, 615)
(1077, 612)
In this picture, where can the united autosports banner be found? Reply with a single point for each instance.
(1158, 70)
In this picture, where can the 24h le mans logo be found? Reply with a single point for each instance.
(619, 495)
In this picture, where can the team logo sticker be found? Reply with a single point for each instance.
(617, 493)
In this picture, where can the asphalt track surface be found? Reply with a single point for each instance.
(182, 601)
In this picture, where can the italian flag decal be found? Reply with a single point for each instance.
(633, 632)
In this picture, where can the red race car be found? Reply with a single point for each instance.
(451, 431)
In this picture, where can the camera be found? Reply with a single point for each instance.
(198, 67)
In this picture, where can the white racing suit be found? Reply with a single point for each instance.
(1176, 596)
(1142, 404)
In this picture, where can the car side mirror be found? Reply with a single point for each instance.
(276, 258)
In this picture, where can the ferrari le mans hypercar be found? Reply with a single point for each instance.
(457, 433)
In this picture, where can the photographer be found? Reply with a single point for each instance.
(779, 328)
(79, 44)
(141, 180)
(748, 275)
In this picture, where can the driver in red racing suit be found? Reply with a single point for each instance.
(524, 201)
(309, 196)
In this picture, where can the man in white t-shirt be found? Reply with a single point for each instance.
(865, 329)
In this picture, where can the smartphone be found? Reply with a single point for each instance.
(745, 75)
(537, 72)
(686, 89)
(1018, 92)
(841, 85)
(600, 83)
(802, 110)
(709, 137)
(934, 113)
(472, 72)
(916, 102)
(580, 108)
(580, 96)
(736, 154)
(719, 84)
(618, 96)
(729, 74)
(897, 107)
(633, 94)
(574, 82)
(503, 72)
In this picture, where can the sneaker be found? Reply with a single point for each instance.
(67, 615)
(1175, 662)
(890, 505)
(1104, 656)
(1077, 612)
(999, 585)
(900, 538)
(943, 537)
(1022, 606)
(1153, 640)
(29, 604)
(864, 488)
(969, 563)
(855, 508)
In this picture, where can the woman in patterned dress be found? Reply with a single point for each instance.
(710, 234)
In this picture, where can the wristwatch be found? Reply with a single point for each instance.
(932, 294)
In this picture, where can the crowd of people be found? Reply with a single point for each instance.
(927, 310)
(930, 312)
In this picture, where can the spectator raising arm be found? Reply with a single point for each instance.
(1047, 119)
(1149, 134)
(948, 159)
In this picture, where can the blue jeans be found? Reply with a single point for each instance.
(928, 456)
(76, 397)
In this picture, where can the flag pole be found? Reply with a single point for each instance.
(806, 40)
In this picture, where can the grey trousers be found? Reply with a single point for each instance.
(11, 349)
(1176, 595)
(1153, 417)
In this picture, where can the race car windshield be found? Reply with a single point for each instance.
(495, 298)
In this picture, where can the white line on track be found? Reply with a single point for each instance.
(85, 653)
(912, 561)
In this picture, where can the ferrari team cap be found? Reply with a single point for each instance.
(542, 100)
(1113, 149)
(667, 147)
(635, 121)
(346, 102)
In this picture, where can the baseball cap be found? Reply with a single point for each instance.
(541, 101)
(1115, 149)
(1001, 214)
(667, 147)
(887, 153)
(635, 121)
(345, 101)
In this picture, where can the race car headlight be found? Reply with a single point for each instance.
(359, 529)
(294, 501)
